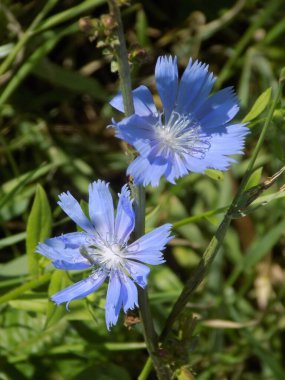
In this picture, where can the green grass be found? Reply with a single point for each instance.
(54, 93)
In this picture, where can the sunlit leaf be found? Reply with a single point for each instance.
(59, 280)
(38, 227)
(254, 179)
(215, 174)
(259, 106)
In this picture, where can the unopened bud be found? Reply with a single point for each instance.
(86, 24)
(108, 22)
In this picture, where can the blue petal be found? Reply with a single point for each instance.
(166, 76)
(145, 172)
(113, 300)
(125, 218)
(129, 293)
(224, 142)
(138, 132)
(218, 109)
(138, 272)
(195, 86)
(155, 240)
(80, 289)
(177, 169)
(152, 257)
(143, 102)
(72, 208)
(194, 164)
(64, 265)
(101, 209)
(65, 248)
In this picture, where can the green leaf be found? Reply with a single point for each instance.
(141, 28)
(14, 268)
(16, 292)
(263, 245)
(38, 227)
(36, 305)
(215, 174)
(258, 251)
(59, 280)
(71, 80)
(11, 240)
(254, 179)
(259, 106)
(22, 334)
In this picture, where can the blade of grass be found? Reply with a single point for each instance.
(51, 39)
(263, 16)
(69, 14)
(69, 79)
(23, 288)
(26, 36)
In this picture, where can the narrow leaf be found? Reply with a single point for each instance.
(59, 280)
(38, 227)
(254, 179)
(259, 106)
(215, 174)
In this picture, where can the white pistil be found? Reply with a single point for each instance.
(107, 255)
(182, 135)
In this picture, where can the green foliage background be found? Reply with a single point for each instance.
(54, 112)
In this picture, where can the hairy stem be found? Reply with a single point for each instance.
(122, 60)
(150, 335)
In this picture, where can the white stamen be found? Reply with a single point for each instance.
(182, 135)
(105, 254)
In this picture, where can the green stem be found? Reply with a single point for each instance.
(150, 335)
(27, 286)
(122, 59)
(145, 314)
(217, 241)
(194, 218)
(146, 370)
(25, 37)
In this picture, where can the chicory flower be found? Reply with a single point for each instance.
(103, 248)
(191, 134)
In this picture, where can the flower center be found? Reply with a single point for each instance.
(182, 135)
(108, 255)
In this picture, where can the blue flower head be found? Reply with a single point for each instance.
(192, 133)
(103, 247)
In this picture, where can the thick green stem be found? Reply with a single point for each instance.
(150, 335)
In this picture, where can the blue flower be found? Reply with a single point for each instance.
(103, 247)
(190, 135)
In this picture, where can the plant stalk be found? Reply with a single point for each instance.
(217, 240)
(150, 335)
